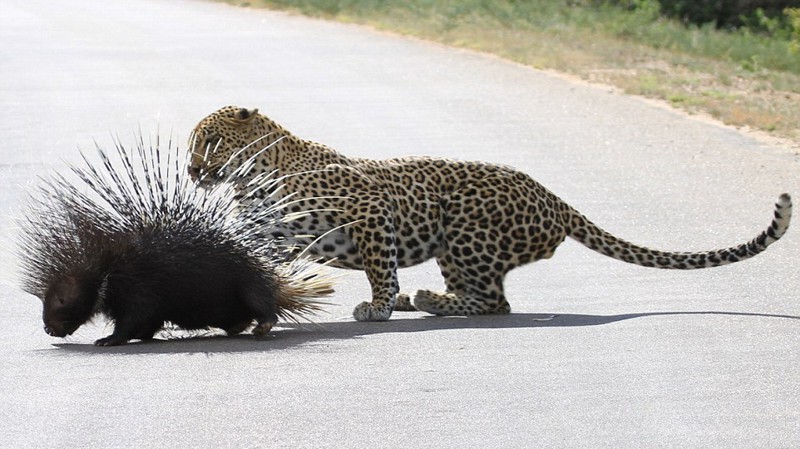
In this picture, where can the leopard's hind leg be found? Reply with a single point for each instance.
(492, 226)
(474, 290)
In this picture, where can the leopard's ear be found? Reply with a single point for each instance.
(245, 115)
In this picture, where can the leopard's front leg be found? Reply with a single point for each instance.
(374, 237)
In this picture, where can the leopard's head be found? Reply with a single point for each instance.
(225, 140)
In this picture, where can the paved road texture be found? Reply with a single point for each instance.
(635, 357)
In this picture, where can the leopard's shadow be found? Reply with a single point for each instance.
(287, 336)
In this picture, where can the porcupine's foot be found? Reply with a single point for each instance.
(403, 304)
(367, 311)
(263, 328)
(111, 340)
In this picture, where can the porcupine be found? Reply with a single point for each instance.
(143, 244)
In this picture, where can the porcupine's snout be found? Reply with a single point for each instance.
(55, 329)
(51, 331)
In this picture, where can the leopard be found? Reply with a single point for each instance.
(478, 220)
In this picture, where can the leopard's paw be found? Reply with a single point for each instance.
(367, 311)
(403, 304)
(434, 302)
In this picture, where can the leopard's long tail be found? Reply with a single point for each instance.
(589, 234)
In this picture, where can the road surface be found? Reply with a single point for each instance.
(634, 358)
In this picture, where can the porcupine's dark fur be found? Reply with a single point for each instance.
(142, 244)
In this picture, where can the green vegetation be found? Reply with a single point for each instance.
(743, 69)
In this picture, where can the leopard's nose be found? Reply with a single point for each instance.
(194, 172)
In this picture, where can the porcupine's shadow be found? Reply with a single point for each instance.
(287, 336)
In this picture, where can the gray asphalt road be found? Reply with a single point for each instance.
(635, 357)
